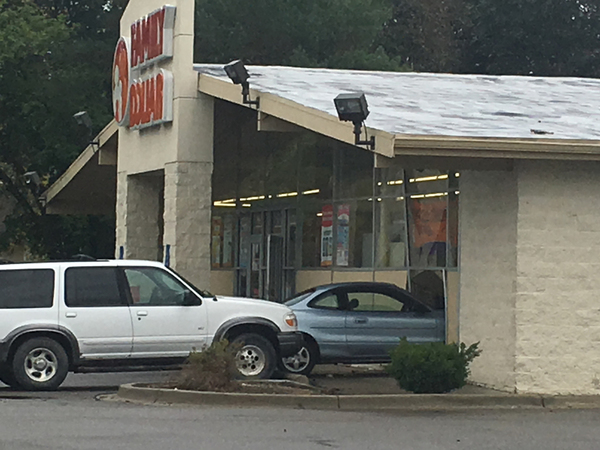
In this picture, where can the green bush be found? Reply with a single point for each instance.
(212, 369)
(431, 368)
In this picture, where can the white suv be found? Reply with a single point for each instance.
(57, 317)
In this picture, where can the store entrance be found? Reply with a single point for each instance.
(267, 249)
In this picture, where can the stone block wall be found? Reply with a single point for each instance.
(138, 215)
(488, 233)
(558, 287)
(187, 219)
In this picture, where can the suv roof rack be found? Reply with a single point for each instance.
(81, 257)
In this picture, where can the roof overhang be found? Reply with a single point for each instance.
(89, 185)
(276, 112)
(274, 106)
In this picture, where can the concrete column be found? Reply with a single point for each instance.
(488, 233)
(187, 219)
(138, 215)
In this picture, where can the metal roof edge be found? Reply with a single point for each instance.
(84, 157)
(497, 147)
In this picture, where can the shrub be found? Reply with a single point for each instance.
(212, 369)
(431, 368)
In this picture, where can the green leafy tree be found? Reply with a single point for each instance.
(308, 33)
(430, 35)
(50, 67)
(535, 37)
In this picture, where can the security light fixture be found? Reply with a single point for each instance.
(32, 179)
(239, 75)
(353, 108)
(83, 118)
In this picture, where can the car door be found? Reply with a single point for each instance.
(378, 317)
(95, 310)
(325, 320)
(165, 322)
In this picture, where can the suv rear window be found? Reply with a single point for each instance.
(90, 287)
(28, 288)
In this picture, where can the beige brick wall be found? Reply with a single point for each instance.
(558, 306)
(138, 210)
(488, 212)
(187, 219)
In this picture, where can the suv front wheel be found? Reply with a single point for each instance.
(256, 358)
(40, 364)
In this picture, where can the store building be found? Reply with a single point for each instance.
(479, 195)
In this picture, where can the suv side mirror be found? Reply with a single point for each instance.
(191, 299)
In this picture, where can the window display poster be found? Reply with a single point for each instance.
(343, 235)
(217, 236)
(228, 241)
(327, 236)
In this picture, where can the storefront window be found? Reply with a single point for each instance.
(427, 229)
(223, 231)
(427, 181)
(391, 230)
(315, 175)
(354, 172)
(312, 224)
(354, 233)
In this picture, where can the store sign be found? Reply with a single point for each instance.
(152, 38)
(142, 91)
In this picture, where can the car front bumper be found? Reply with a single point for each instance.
(289, 343)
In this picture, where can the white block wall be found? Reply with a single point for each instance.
(558, 282)
(488, 233)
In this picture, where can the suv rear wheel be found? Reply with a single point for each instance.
(256, 358)
(40, 364)
(6, 376)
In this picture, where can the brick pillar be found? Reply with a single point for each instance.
(187, 219)
(138, 213)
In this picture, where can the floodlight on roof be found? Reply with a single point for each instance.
(83, 119)
(353, 108)
(239, 75)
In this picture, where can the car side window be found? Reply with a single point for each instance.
(89, 287)
(30, 288)
(327, 301)
(374, 302)
(150, 286)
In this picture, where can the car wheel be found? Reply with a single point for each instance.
(6, 376)
(302, 362)
(40, 364)
(256, 358)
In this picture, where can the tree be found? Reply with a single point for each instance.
(429, 35)
(535, 37)
(50, 68)
(309, 33)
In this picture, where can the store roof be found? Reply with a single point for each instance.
(469, 106)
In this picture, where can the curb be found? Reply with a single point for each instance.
(395, 402)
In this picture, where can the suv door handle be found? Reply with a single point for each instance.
(142, 313)
(71, 314)
(362, 320)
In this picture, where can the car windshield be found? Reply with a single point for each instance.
(202, 292)
(299, 297)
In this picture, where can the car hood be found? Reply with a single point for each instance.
(230, 308)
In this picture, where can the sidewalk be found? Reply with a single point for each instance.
(362, 388)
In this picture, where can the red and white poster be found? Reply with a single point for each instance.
(327, 236)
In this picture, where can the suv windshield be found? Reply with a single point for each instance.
(202, 292)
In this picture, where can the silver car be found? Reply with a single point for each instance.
(359, 323)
